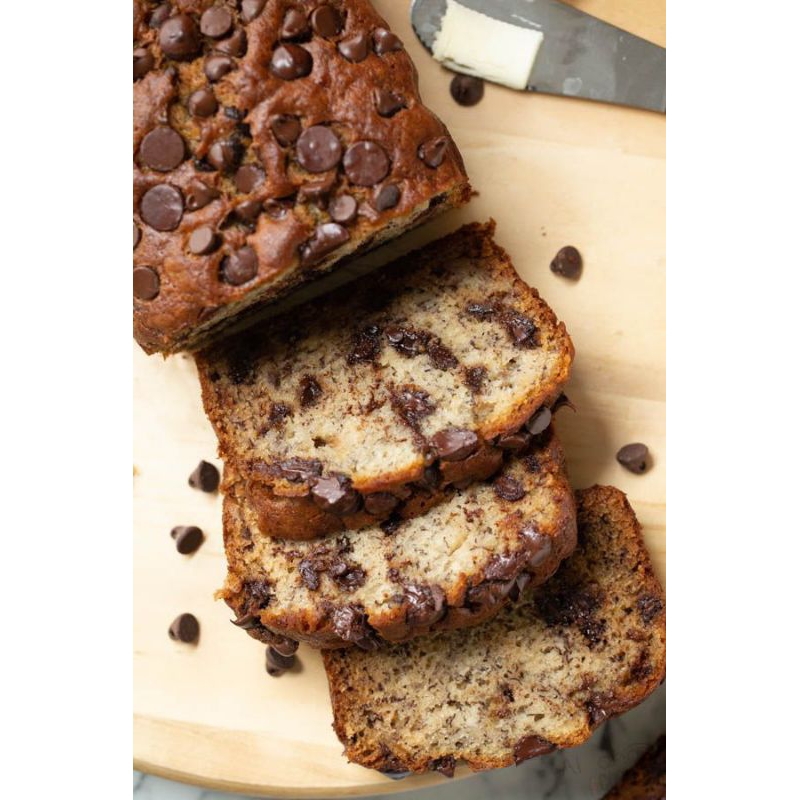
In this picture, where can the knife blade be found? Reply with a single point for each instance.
(579, 56)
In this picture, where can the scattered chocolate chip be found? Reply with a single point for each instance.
(203, 241)
(199, 195)
(248, 178)
(466, 90)
(205, 477)
(146, 283)
(380, 504)
(224, 155)
(567, 263)
(355, 49)
(522, 329)
(385, 41)
(179, 37)
(290, 61)
(218, 66)
(343, 209)
(388, 103)
(318, 149)
(530, 746)
(514, 441)
(234, 45)
(216, 22)
(143, 62)
(335, 494)
(285, 129)
(202, 103)
(162, 149)
(162, 207)
(387, 197)
(327, 237)
(326, 21)
(310, 391)
(284, 646)
(295, 25)
(432, 152)
(185, 628)
(137, 235)
(539, 421)
(252, 8)
(240, 266)
(160, 15)
(475, 377)
(188, 538)
(277, 663)
(366, 163)
(455, 444)
(508, 488)
(634, 457)
(538, 545)
(277, 209)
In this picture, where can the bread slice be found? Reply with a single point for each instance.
(541, 675)
(452, 567)
(330, 416)
(647, 778)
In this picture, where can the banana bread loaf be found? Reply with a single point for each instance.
(337, 415)
(453, 567)
(270, 140)
(541, 675)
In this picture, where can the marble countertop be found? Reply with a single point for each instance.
(583, 773)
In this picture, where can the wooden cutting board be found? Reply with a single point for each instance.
(551, 171)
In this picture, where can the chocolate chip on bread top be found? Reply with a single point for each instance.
(369, 402)
(271, 140)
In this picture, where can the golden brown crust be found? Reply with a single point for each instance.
(193, 303)
(647, 778)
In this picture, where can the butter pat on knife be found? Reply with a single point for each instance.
(472, 43)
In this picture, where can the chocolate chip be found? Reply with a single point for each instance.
(143, 62)
(508, 488)
(235, 44)
(218, 66)
(335, 494)
(466, 90)
(249, 177)
(355, 49)
(567, 263)
(160, 15)
(348, 576)
(308, 574)
(538, 545)
(350, 624)
(224, 155)
(146, 283)
(412, 405)
(366, 163)
(310, 391)
(248, 211)
(634, 457)
(278, 663)
(162, 207)
(387, 197)
(216, 22)
(318, 149)
(455, 444)
(326, 21)
(199, 195)
(426, 604)
(285, 129)
(539, 421)
(283, 646)
(240, 266)
(185, 628)
(514, 441)
(475, 377)
(290, 61)
(385, 41)
(432, 152)
(295, 25)
(343, 209)
(188, 538)
(380, 504)
(277, 209)
(202, 103)
(327, 237)
(203, 241)
(300, 469)
(252, 8)
(530, 746)
(137, 235)
(246, 621)
(162, 149)
(316, 191)
(205, 477)
(388, 103)
(179, 37)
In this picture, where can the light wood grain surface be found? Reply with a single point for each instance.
(551, 171)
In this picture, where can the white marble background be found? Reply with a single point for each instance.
(583, 773)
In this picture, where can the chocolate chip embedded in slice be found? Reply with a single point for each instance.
(432, 152)
(343, 209)
(199, 195)
(284, 646)
(205, 477)
(185, 628)
(387, 197)
(310, 391)
(385, 41)
(202, 103)
(388, 103)
(634, 457)
(290, 61)
(380, 504)
(224, 155)
(466, 90)
(530, 746)
(161, 207)
(251, 9)
(179, 37)
(325, 240)
(162, 149)
(455, 444)
(538, 545)
(146, 283)
(285, 129)
(248, 178)
(240, 266)
(507, 487)
(203, 241)
(143, 62)
(234, 45)
(218, 66)
(366, 163)
(539, 421)
(248, 211)
(295, 25)
(318, 149)
(567, 263)
(335, 494)
(188, 538)
(326, 21)
(216, 22)
(355, 49)
(514, 441)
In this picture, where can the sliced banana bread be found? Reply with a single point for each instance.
(541, 675)
(330, 416)
(647, 778)
(452, 567)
